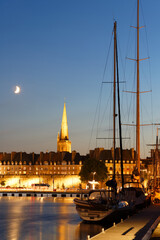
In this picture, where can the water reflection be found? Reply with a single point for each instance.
(33, 218)
(84, 229)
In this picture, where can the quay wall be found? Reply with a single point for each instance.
(41, 194)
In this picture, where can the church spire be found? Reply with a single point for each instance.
(63, 143)
(64, 125)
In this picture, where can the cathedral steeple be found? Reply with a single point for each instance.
(64, 125)
(63, 143)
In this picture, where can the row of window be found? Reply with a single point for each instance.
(41, 163)
(41, 168)
(37, 173)
(119, 161)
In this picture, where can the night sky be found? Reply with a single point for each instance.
(56, 50)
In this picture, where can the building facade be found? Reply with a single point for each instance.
(59, 170)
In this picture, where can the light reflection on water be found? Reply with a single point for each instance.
(33, 218)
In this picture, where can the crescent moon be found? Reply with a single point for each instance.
(17, 90)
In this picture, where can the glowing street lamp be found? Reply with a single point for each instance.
(93, 182)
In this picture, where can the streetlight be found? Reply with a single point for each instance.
(93, 174)
(93, 182)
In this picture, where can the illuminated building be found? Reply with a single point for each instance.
(106, 155)
(59, 169)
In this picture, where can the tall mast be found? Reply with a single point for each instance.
(138, 99)
(114, 101)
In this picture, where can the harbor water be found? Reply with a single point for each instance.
(39, 218)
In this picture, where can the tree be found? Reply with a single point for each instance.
(3, 183)
(93, 165)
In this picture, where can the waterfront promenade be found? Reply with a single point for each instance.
(138, 227)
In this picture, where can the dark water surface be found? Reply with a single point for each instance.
(33, 218)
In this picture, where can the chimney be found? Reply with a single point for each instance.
(73, 155)
(21, 156)
(33, 156)
(12, 155)
(41, 156)
(132, 153)
(112, 152)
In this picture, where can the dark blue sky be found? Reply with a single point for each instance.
(56, 50)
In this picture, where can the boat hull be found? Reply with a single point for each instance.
(93, 215)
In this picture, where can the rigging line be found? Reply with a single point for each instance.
(101, 90)
(150, 78)
(143, 135)
(150, 75)
(94, 118)
(106, 62)
(105, 110)
(128, 41)
(99, 110)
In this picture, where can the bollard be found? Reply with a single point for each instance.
(121, 220)
(114, 224)
(88, 237)
(102, 230)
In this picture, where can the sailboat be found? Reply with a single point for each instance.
(133, 192)
(101, 204)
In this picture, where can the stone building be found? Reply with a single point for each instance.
(129, 161)
(59, 169)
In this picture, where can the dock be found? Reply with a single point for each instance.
(140, 226)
